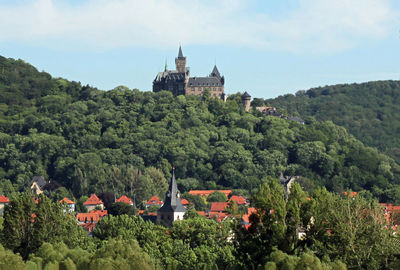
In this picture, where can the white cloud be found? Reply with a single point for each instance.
(316, 25)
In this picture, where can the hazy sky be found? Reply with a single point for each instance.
(266, 47)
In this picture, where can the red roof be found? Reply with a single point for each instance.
(202, 213)
(88, 226)
(245, 217)
(67, 201)
(184, 201)
(352, 194)
(218, 206)
(93, 200)
(125, 199)
(238, 199)
(88, 217)
(154, 200)
(4, 199)
(218, 216)
(101, 213)
(208, 192)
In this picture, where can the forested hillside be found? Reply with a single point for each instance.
(86, 140)
(370, 111)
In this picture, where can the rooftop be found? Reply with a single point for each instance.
(67, 201)
(93, 200)
(208, 192)
(219, 206)
(125, 199)
(4, 199)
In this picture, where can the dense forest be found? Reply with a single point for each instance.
(370, 111)
(85, 140)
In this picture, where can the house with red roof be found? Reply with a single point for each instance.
(219, 207)
(125, 199)
(154, 201)
(3, 202)
(206, 193)
(238, 199)
(88, 221)
(101, 213)
(185, 202)
(69, 203)
(245, 217)
(93, 202)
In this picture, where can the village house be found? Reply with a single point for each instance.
(154, 201)
(93, 202)
(240, 200)
(37, 185)
(3, 202)
(71, 204)
(125, 199)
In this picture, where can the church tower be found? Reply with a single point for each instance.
(172, 208)
(180, 61)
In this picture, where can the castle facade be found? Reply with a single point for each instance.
(179, 81)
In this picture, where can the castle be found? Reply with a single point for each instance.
(179, 81)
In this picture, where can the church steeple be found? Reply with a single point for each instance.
(172, 208)
(180, 61)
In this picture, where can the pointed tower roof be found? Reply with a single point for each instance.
(246, 95)
(180, 54)
(172, 201)
(215, 72)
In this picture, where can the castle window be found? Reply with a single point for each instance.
(192, 88)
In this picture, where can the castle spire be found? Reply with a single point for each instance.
(166, 65)
(180, 54)
(215, 72)
(180, 61)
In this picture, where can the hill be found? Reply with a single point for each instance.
(86, 140)
(370, 111)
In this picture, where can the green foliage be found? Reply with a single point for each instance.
(27, 225)
(217, 197)
(121, 208)
(197, 201)
(353, 230)
(10, 261)
(369, 111)
(121, 254)
(126, 141)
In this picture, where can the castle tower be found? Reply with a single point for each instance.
(180, 61)
(172, 208)
(246, 101)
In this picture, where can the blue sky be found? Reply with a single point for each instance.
(266, 47)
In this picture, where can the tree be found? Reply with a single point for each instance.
(27, 226)
(18, 224)
(121, 254)
(217, 197)
(121, 208)
(208, 239)
(9, 260)
(352, 230)
(267, 225)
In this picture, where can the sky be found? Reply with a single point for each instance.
(265, 47)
